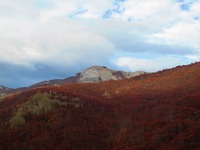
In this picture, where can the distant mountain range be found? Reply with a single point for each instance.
(89, 75)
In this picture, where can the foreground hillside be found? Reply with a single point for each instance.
(151, 111)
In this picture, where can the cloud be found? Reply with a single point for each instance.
(150, 65)
(195, 11)
(139, 10)
(64, 42)
(182, 33)
(86, 9)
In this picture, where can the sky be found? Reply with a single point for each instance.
(48, 39)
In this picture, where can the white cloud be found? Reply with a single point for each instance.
(65, 41)
(194, 58)
(181, 33)
(195, 9)
(92, 9)
(49, 34)
(139, 10)
(149, 65)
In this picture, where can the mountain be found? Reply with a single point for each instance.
(101, 73)
(91, 74)
(4, 90)
(151, 111)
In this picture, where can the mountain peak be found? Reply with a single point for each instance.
(102, 73)
(92, 74)
(97, 67)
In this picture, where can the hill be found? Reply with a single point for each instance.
(150, 111)
(4, 90)
(91, 75)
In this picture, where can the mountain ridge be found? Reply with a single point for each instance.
(90, 75)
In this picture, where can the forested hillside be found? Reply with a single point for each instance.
(151, 111)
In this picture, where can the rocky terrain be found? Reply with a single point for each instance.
(101, 73)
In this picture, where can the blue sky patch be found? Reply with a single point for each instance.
(185, 4)
(185, 7)
(117, 9)
(42, 4)
(78, 12)
(108, 14)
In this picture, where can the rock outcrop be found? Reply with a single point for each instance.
(101, 73)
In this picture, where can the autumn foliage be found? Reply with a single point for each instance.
(152, 111)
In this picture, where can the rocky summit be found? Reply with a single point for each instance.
(102, 73)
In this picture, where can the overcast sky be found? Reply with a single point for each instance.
(47, 39)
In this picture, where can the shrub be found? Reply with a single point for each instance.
(107, 95)
(40, 102)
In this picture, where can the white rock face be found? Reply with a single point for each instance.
(96, 74)
(100, 73)
(133, 74)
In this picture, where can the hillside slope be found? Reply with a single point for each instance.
(152, 111)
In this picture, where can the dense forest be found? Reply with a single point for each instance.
(151, 111)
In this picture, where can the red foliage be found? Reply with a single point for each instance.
(152, 111)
